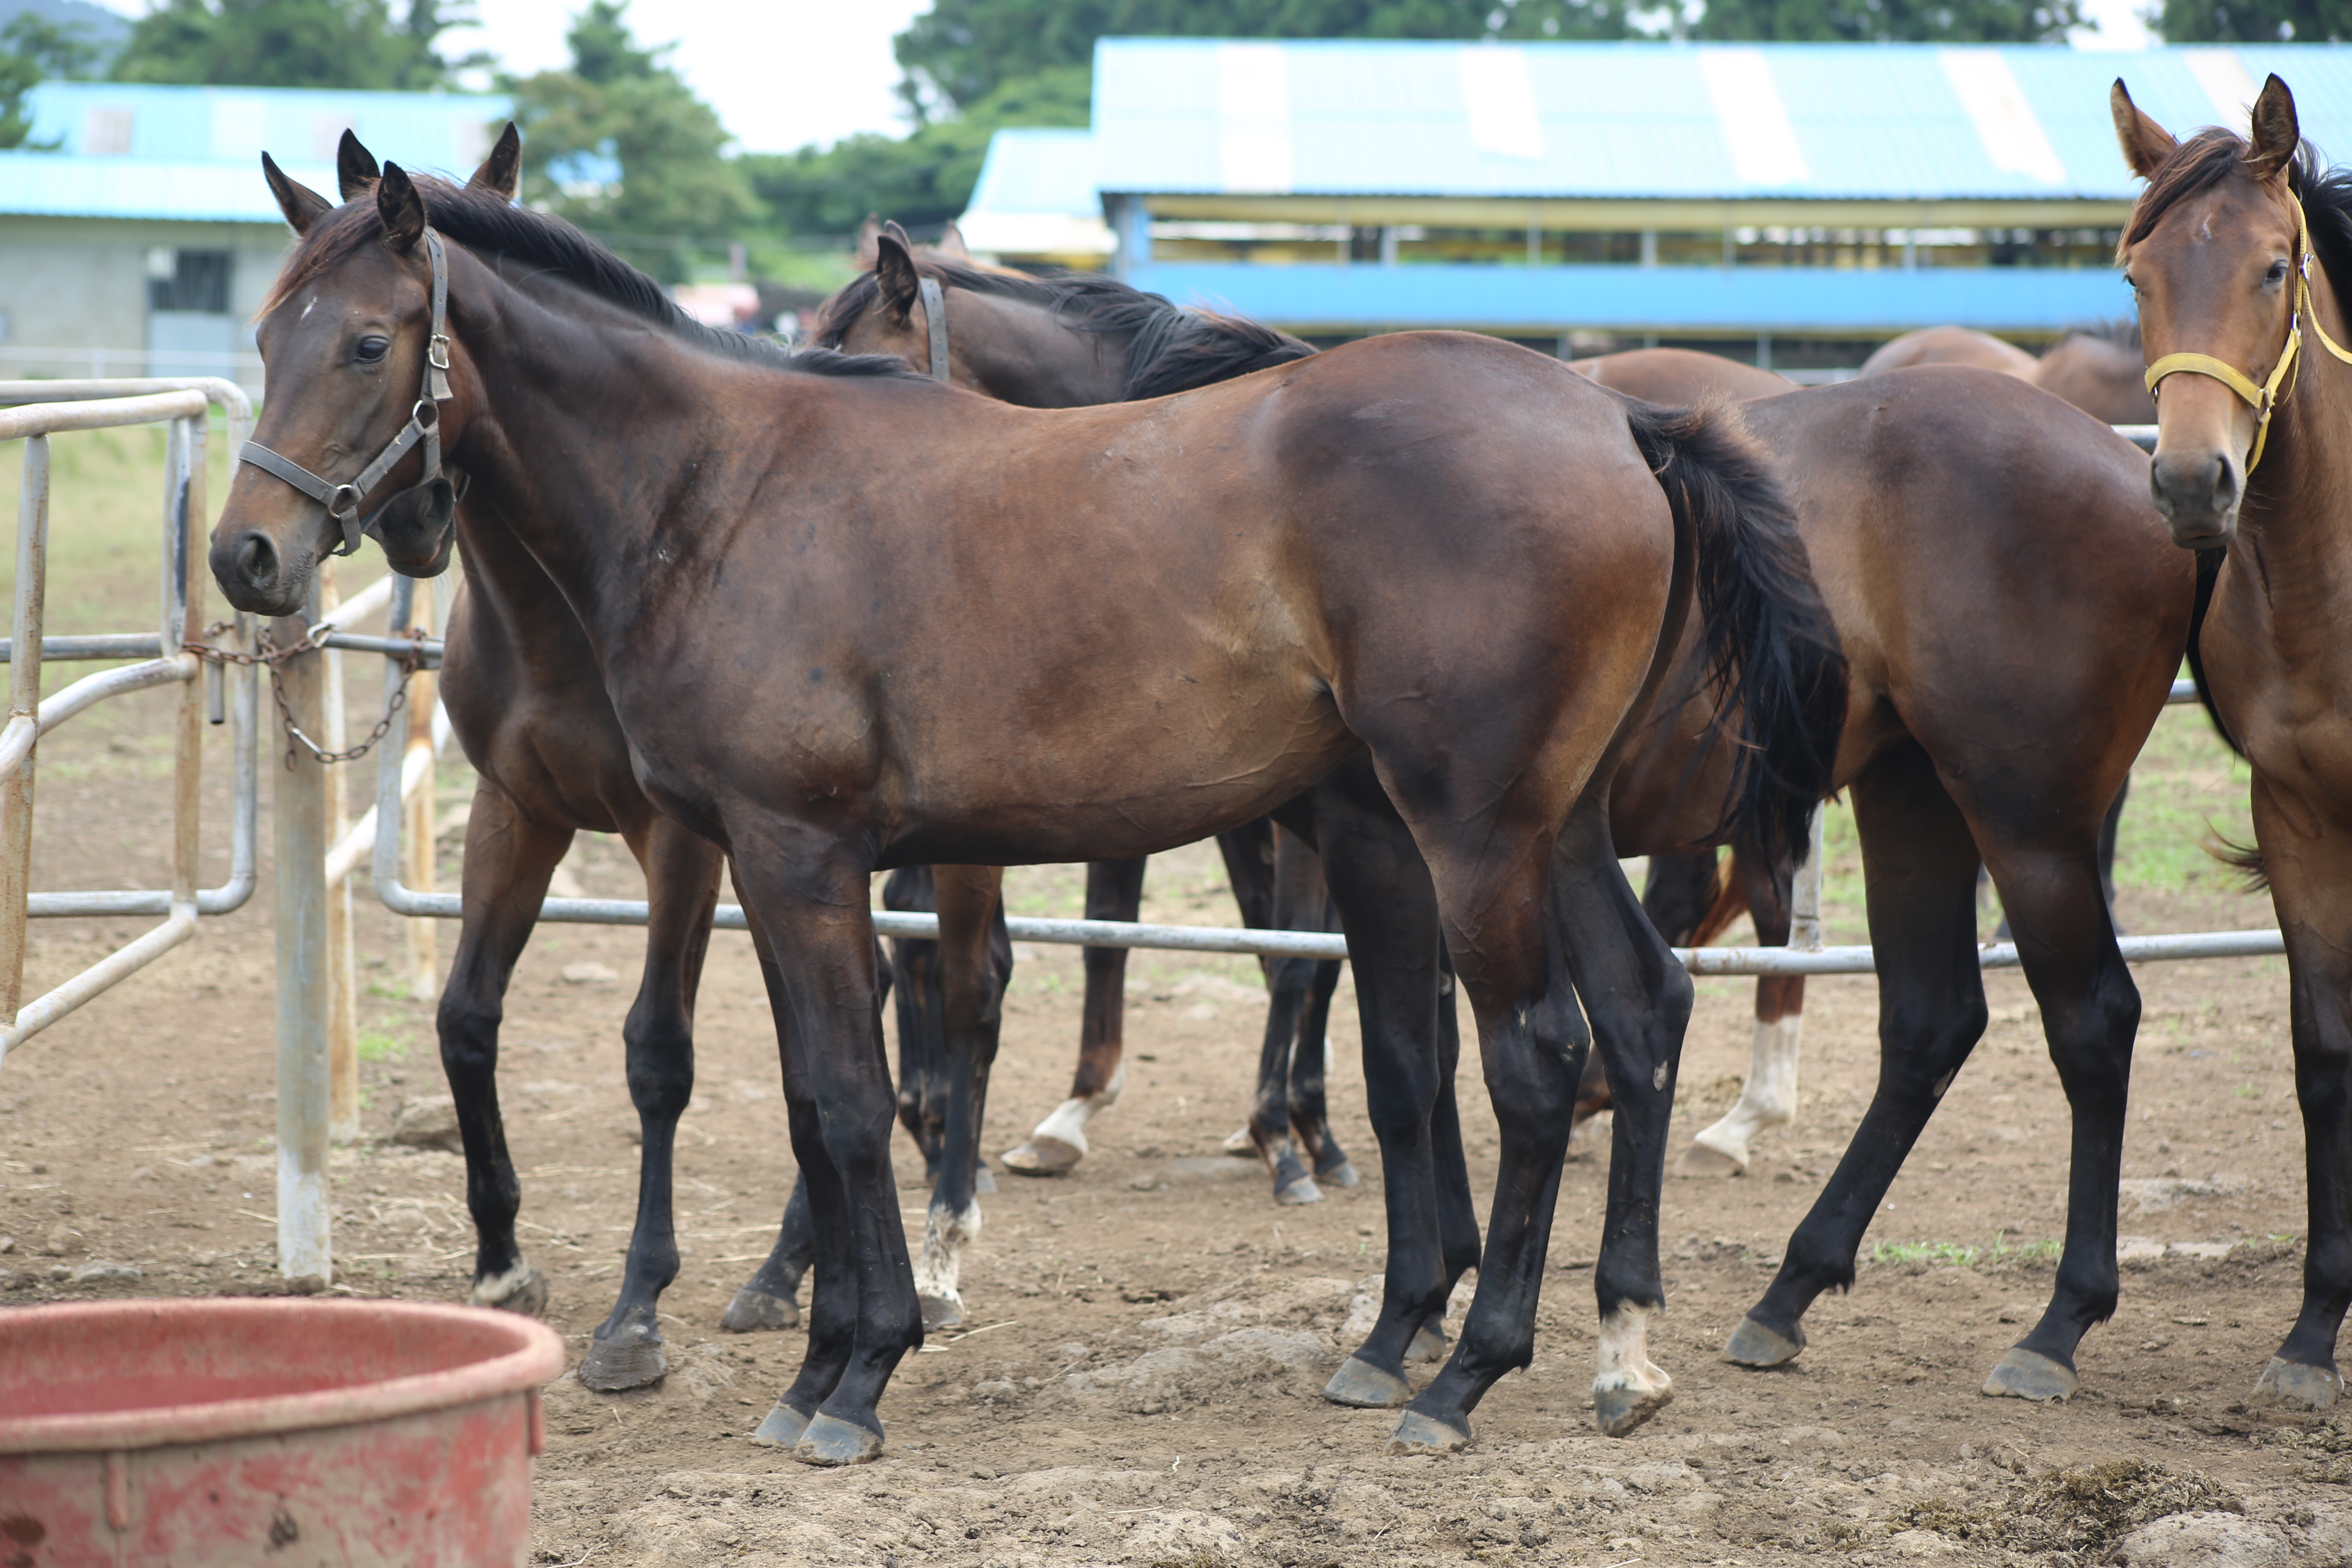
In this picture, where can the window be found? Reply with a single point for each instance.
(196, 281)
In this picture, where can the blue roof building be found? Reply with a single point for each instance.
(1634, 190)
(143, 240)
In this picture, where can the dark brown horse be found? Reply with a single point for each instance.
(2099, 370)
(2239, 252)
(849, 620)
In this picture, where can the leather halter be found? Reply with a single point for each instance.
(2265, 398)
(935, 316)
(343, 501)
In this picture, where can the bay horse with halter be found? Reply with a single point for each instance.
(850, 620)
(2240, 251)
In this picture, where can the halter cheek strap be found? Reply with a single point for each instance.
(343, 500)
(2265, 398)
(935, 315)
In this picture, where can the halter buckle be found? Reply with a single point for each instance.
(437, 352)
(343, 501)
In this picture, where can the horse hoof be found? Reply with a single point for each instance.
(829, 1440)
(1428, 1344)
(783, 1429)
(1342, 1175)
(1698, 1160)
(1418, 1434)
(983, 1183)
(1753, 1345)
(1302, 1191)
(2292, 1383)
(613, 1365)
(1241, 1145)
(2029, 1374)
(1619, 1412)
(940, 1312)
(527, 1295)
(1042, 1157)
(1359, 1383)
(755, 1311)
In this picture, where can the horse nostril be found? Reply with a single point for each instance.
(257, 561)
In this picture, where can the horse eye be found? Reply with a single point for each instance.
(370, 349)
(2277, 273)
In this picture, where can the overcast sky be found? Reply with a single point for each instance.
(785, 73)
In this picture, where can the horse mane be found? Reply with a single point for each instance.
(484, 222)
(1169, 348)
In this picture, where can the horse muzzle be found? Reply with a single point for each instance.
(255, 576)
(2198, 493)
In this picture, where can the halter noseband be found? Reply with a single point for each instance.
(343, 501)
(935, 316)
(2265, 398)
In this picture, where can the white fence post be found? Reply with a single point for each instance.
(24, 704)
(305, 1215)
(342, 969)
(424, 950)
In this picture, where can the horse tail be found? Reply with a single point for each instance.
(1770, 648)
(2208, 570)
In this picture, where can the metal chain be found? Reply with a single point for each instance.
(312, 640)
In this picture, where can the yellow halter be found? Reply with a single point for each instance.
(2265, 398)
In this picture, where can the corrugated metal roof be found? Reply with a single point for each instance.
(1677, 122)
(193, 153)
(1036, 197)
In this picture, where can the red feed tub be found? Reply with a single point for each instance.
(288, 1433)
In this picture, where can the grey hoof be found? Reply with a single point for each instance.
(1241, 1145)
(783, 1429)
(1302, 1191)
(1418, 1434)
(1042, 1157)
(2292, 1383)
(2029, 1374)
(529, 1298)
(755, 1311)
(1753, 1345)
(983, 1181)
(628, 1361)
(938, 1312)
(1342, 1175)
(1359, 1383)
(1428, 1344)
(1619, 1412)
(830, 1440)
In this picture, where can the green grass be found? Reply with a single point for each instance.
(377, 1046)
(1960, 1254)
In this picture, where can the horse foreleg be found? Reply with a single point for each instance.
(681, 888)
(509, 862)
(975, 967)
(922, 1048)
(1114, 892)
(771, 1298)
(1767, 1098)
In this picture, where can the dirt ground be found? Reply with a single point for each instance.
(1139, 1381)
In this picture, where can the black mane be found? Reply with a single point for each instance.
(486, 223)
(1169, 349)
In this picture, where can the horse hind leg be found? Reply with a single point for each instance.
(682, 887)
(976, 965)
(771, 1298)
(509, 858)
(1768, 1096)
(1114, 892)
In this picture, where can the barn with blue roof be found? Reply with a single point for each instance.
(1787, 202)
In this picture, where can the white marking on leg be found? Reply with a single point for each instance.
(1625, 1358)
(945, 1235)
(1067, 1124)
(489, 1292)
(1768, 1097)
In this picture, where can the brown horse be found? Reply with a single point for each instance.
(1948, 345)
(849, 619)
(2100, 370)
(2238, 251)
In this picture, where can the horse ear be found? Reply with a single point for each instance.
(302, 205)
(894, 272)
(501, 171)
(355, 167)
(868, 233)
(952, 244)
(2146, 144)
(2276, 132)
(402, 209)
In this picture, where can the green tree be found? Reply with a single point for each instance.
(34, 50)
(2255, 21)
(621, 146)
(296, 43)
(1890, 21)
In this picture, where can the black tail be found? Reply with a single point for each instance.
(2208, 568)
(1771, 647)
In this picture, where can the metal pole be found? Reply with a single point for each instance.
(183, 618)
(24, 708)
(342, 970)
(305, 1219)
(424, 952)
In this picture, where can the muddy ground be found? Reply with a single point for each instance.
(1138, 1384)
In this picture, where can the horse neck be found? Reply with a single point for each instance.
(1022, 353)
(2294, 544)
